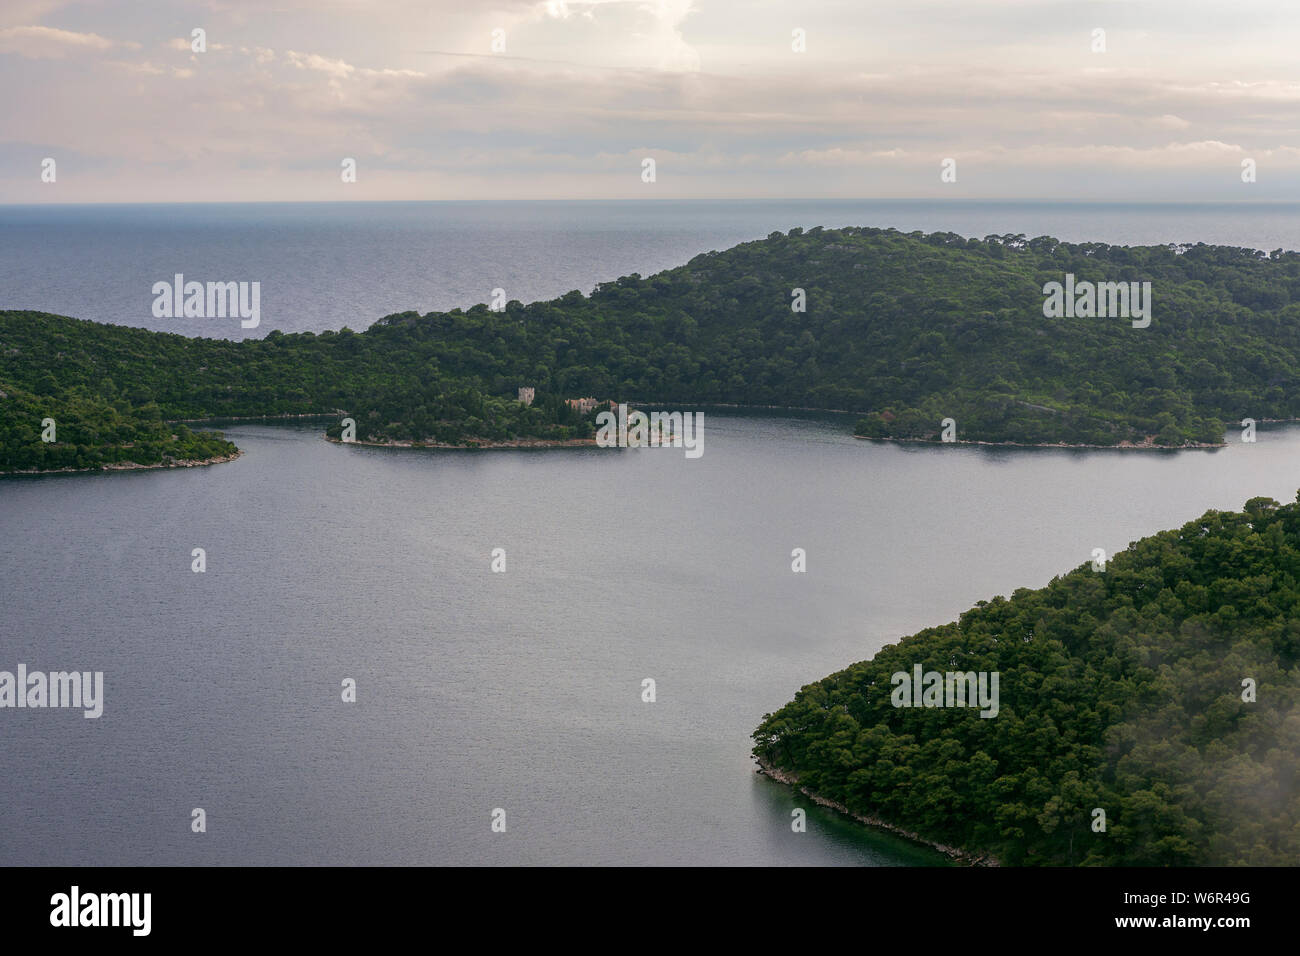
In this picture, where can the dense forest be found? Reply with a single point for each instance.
(1120, 689)
(465, 416)
(906, 329)
(91, 431)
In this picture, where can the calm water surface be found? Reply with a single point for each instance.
(518, 690)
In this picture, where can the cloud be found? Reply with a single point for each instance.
(718, 97)
(19, 12)
(49, 43)
(366, 71)
(337, 69)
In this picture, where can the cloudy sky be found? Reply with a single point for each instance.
(712, 90)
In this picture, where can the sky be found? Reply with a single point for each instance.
(557, 99)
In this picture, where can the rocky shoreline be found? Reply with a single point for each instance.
(130, 466)
(1124, 445)
(287, 416)
(1141, 446)
(508, 443)
(956, 854)
(581, 442)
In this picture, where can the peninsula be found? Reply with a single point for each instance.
(920, 335)
(1148, 712)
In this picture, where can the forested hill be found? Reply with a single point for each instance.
(1121, 689)
(907, 329)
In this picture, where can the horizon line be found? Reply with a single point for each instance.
(1021, 200)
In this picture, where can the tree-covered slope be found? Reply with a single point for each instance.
(907, 329)
(90, 431)
(1120, 689)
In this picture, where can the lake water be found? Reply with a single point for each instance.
(519, 690)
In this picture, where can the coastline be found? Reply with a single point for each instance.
(1123, 446)
(476, 446)
(131, 466)
(591, 442)
(287, 416)
(1127, 445)
(956, 854)
(584, 442)
(580, 442)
